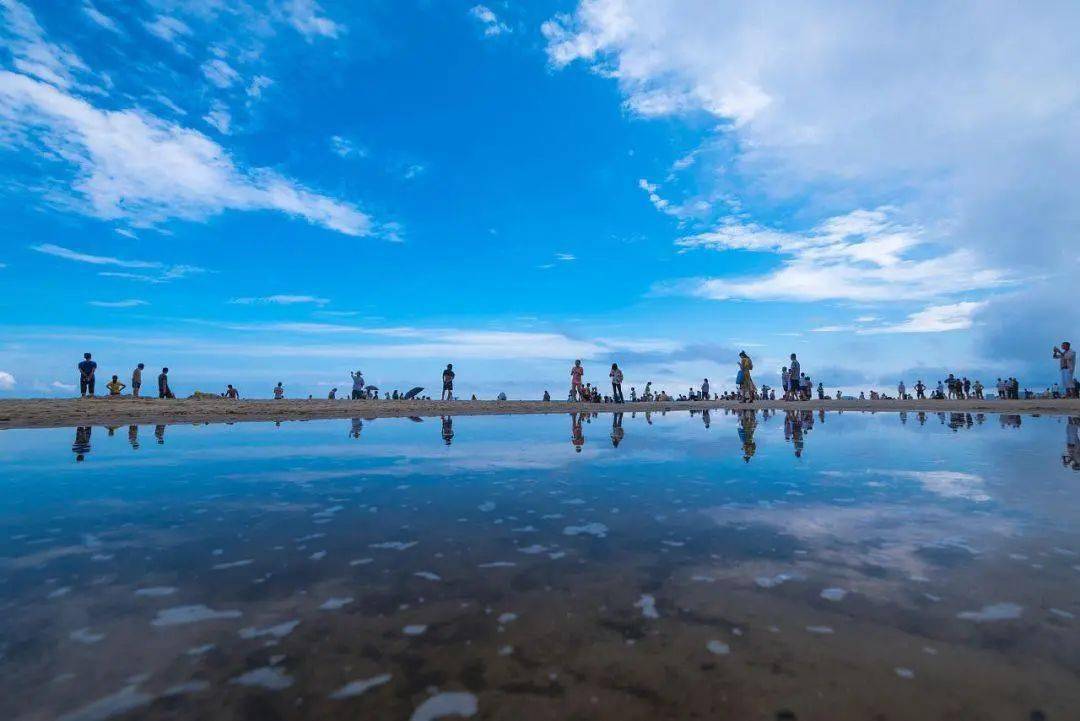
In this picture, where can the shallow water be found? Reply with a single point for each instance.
(852, 566)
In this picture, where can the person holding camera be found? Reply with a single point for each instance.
(1066, 357)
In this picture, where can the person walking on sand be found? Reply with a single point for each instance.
(448, 383)
(1066, 357)
(163, 384)
(357, 385)
(747, 389)
(616, 376)
(576, 372)
(136, 380)
(87, 371)
(279, 391)
(115, 386)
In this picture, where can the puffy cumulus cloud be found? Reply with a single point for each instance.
(7, 381)
(305, 16)
(133, 166)
(967, 114)
(489, 20)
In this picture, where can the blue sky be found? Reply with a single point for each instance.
(253, 191)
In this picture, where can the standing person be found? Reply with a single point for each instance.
(705, 390)
(576, 372)
(87, 371)
(920, 390)
(1067, 362)
(616, 376)
(115, 386)
(136, 380)
(901, 391)
(448, 383)
(747, 389)
(279, 391)
(785, 380)
(795, 374)
(357, 385)
(332, 395)
(163, 384)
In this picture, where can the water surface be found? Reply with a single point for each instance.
(725, 566)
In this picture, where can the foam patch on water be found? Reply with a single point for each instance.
(443, 705)
(266, 677)
(62, 591)
(820, 629)
(318, 556)
(393, 545)
(360, 686)
(124, 700)
(599, 530)
(333, 604)
(773, 581)
(178, 615)
(156, 591)
(507, 618)
(486, 507)
(417, 629)
(833, 594)
(497, 564)
(647, 604)
(428, 575)
(188, 687)
(1061, 614)
(994, 612)
(233, 564)
(718, 648)
(904, 672)
(361, 561)
(281, 630)
(200, 650)
(533, 549)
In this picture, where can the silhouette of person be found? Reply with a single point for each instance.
(81, 446)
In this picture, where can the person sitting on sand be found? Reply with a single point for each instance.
(163, 384)
(279, 391)
(332, 395)
(231, 393)
(115, 386)
(136, 380)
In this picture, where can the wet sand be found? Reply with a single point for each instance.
(52, 413)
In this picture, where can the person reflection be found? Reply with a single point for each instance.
(793, 431)
(747, 426)
(111, 430)
(133, 437)
(357, 426)
(81, 446)
(447, 429)
(1009, 420)
(1071, 457)
(577, 435)
(903, 418)
(159, 434)
(921, 415)
(706, 418)
(616, 429)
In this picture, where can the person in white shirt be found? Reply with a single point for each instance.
(1067, 361)
(901, 391)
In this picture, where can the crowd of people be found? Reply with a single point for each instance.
(795, 385)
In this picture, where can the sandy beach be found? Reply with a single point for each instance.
(51, 413)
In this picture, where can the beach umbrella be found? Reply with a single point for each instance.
(371, 388)
(412, 392)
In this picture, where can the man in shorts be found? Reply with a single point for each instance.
(448, 383)
(576, 372)
(87, 369)
(136, 380)
(1066, 357)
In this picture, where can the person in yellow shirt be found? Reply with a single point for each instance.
(115, 386)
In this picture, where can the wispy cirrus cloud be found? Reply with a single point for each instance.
(162, 272)
(281, 299)
(127, 303)
(305, 16)
(490, 22)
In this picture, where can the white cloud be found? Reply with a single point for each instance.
(169, 29)
(7, 381)
(129, 303)
(865, 255)
(134, 166)
(565, 257)
(489, 20)
(280, 299)
(220, 73)
(100, 18)
(347, 148)
(257, 85)
(162, 272)
(414, 170)
(219, 117)
(304, 16)
(32, 54)
(934, 319)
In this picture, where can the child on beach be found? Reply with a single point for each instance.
(115, 386)
(279, 391)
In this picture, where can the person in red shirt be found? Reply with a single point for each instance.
(575, 381)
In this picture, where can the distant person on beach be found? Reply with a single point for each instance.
(705, 389)
(332, 395)
(547, 397)
(616, 376)
(231, 393)
(357, 385)
(576, 372)
(115, 386)
(920, 390)
(633, 394)
(163, 384)
(136, 380)
(87, 371)
(747, 389)
(901, 390)
(795, 376)
(279, 391)
(1066, 357)
(448, 383)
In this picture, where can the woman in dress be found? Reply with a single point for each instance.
(747, 389)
